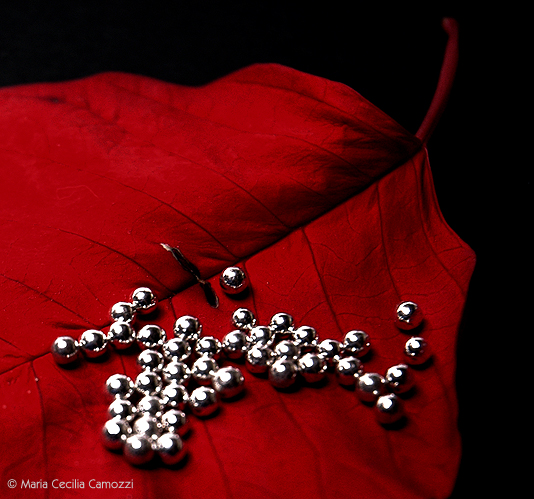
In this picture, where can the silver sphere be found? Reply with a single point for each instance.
(208, 345)
(177, 349)
(151, 337)
(312, 367)
(228, 382)
(121, 335)
(148, 383)
(203, 401)
(233, 280)
(151, 405)
(388, 409)
(259, 359)
(138, 449)
(150, 360)
(203, 369)
(287, 350)
(175, 396)
(283, 373)
(416, 351)
(143, 300)
(170, 448)
(93, 343)
(175, 421)
(261, 336)
(187, 328)
(370, 386)
(177, 372)
(282, 325)
(408, 315)
(399, 378)
(147, 425)
(120, 386)
(235, 344)
(243, 319)
(121, 409)
(347, 369)
(330, 351)
(356, 343)
(114, 433)
(306, 338)
(65, 350)
(122, 312)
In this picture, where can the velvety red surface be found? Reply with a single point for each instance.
(325, 201)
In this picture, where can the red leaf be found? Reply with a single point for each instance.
(325, 201)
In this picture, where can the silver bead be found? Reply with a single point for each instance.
(287, 350)
(177, 350)
(243, 318)
(312, 367)
(306, 338)
(203, 401)
(235, 344)
(151, 405)
(416, 351)
(93, 343)
(175, 421)
(282, 325)
(187, 328)
(114, 433)
(174, 396)
(121, 335)
(408, 315)
(151, 337)
(150, 360)
(228, 382)
(233, 280)
(178, 372)
(122, 312)
(170, 448)
(347, 369)
(143, 300)
(330, 351)
(120, 386)
(148, 426)
(356, 343)
(138, 449)
(399, 378)
(121, 409)
(208, 345)
(388, 409)
(283, 373)
(65, 350)
(259, 359)
(260, 336)
(203, 369)
(148, 383)
(370, 386)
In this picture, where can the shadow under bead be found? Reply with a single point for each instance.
(65, 350)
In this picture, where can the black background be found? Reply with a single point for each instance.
(390, 55)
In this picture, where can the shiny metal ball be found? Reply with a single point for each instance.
(174, 396)
(228, 382)
(203, 401)
(243, 319)
(150, 404)
(208, 345)
(177, 349)
(122, 312)
(356, 343)
(178, 372)
(306, 338)
(399, 378)
(282, 325)
(121, 335)
(121, 409)
(148, 383)
(408, 315)
(312, 367)
(233, 280)
(388, 409)
(260, 336)
(138, 449)
(147, 425)
(347, 369)
(330, 351)
(203, 369)
(65, 350)
(120, 386)
(151, 360)
(175, 421)
(283, 373)
(286, 349)
(114, 433)
(258, 359)
(187, 328)
(416, 351)
(93, 343)
(370, 386)
(170, 448)
(151, 337)
(144, 300)
(235, 344)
